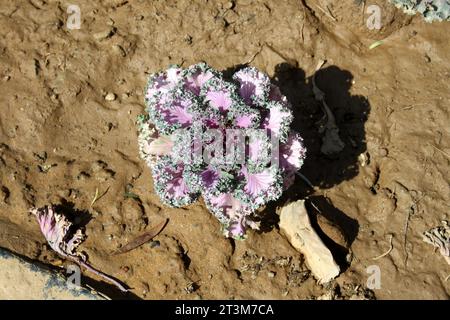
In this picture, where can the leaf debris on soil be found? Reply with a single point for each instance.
(64, 238)
(140, 240)
(331, 141)
(439, 237)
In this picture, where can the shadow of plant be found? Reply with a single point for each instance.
(323, 171)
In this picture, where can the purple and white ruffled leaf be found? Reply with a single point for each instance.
(254, 86)
(64, 239)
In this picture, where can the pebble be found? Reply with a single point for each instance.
(110, 97)
(363, 159)
(104, 34)
(229, 5)
(295, 224)
(384, 152)
(271, 274)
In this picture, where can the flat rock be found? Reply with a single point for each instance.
(22, 280)
(295, 224)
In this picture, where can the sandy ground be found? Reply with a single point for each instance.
(60, 141)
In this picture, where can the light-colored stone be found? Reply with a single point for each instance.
(104, 34)
(110, 97)
(295, 224)
(22, 280)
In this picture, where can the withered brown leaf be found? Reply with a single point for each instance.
(140, 240)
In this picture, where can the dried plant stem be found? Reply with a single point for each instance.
(84, 264)
(97, 196)
(327, 13)
(391, 246)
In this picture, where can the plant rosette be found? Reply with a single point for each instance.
(227, 140)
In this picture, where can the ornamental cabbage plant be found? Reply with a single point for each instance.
(227, 140)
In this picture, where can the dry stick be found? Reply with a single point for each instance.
(315, 207)
(391, 246)
(405, 232)
(328, 14)
(97, 292)
(95, 197)
(331, 13)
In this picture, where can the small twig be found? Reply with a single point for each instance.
(97, 197)
(331, 13)
(328, 14)
(387, 252)
(101, 294)
(405, 235)
(315, 207)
